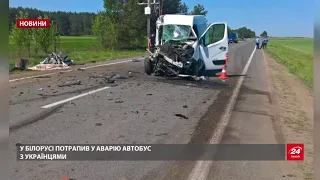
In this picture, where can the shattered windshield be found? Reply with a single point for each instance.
(176, 32)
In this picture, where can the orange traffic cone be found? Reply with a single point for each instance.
(227, 58)
(223, 74)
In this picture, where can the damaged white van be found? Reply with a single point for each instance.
(187, 46)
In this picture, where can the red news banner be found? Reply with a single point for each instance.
(33, 23)
(295, 152)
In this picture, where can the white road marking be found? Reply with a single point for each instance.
(30, 77)
(100, 65)
(202, 168)
(244, 163)
(73, 98)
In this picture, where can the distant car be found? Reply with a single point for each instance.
(233, 37)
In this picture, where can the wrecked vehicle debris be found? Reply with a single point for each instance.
(80, 69)
(71, 83)
(42, 77)
(20, 64)
(98, 124)
(110, 78)
(54, 61)
(187, 47)
(181, 116)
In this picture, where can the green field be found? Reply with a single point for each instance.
(80, 49)
(296, 54)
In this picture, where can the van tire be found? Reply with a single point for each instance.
(148, 66)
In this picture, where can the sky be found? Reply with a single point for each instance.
(293, 18)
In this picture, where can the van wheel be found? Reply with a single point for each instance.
(148, 66)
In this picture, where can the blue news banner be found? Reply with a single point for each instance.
(151, 152)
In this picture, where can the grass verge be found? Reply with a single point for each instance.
(297, 58)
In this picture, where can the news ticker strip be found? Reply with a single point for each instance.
(158, 152)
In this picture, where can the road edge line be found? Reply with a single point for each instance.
(202, 168)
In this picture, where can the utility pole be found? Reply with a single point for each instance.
(160, 7)
(147, 11)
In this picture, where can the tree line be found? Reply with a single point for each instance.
(121, 25)
(68, 23)
(243, 32)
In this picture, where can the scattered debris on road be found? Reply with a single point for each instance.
(162, 134)
(198, 78)
(189, 84)
(54, 61)
(149, 94)
(98, 124)
(182, 116)
(71, 102)
(135, 60)
(40, 89)
(111, 78)
(43, 77)
(42, 95)
(185, 106)
(71, 83)
(80, 69)
(119, 101)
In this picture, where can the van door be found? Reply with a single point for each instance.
(214, 46)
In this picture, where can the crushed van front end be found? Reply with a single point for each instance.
(172, 58)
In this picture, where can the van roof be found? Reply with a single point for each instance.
(183, 19)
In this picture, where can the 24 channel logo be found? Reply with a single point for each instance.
(295, 152)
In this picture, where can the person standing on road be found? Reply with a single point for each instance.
(152, 42)
(258, 43)
(263, 43)
(267, 39)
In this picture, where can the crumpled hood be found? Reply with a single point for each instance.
(177, 50)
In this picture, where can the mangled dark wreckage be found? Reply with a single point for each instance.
(171, 59)
(186, 46)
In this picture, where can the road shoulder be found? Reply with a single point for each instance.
(293, 101)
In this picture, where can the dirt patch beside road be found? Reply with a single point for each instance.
(294, 102)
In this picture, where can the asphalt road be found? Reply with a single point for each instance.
(140, 109)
